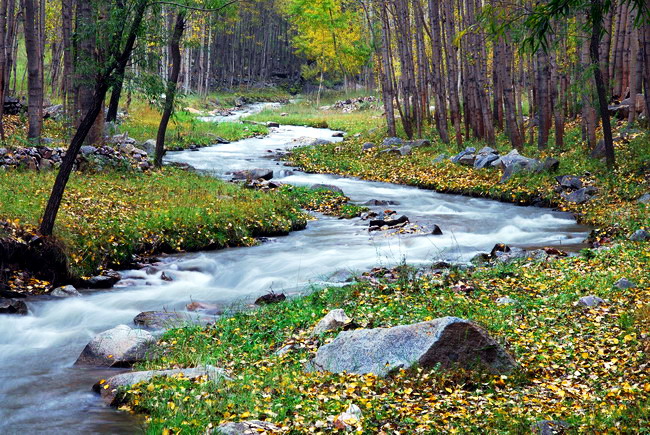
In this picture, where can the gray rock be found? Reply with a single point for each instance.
(467, 159)
(468, 150)
(550, 164)
(441, 158)
(550, 427)
(253, 174)
(512, 254)
(640, 236)
(149, 147)
(484, 160)
(117, 347)
(569, 182)
(446, 342)
(106, 281)
(406, 150)
(590, 301)
(87, 150)
(506, 301)
(335, 319)
(13, 306)
(624, 283)
(247, 428)
(109, 389)
(487, 150)
(329, 187)
(65, 292)
(419, 143)
(580, 196)
(392, 142)
(368, 146)
(309, 142)
(644, 199)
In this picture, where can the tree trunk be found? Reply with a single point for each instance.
(596, 8)
(34, 71)
(102, 84)
(172, 85)
(3, 63)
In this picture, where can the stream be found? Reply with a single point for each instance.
(40, 390)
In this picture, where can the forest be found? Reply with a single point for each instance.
(324, 216)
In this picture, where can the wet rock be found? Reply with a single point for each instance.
(338, 134)
(205, 308)
(329, 187)
(246, 428)
(65, 292)
(272, 124)
(109, 388)
(580, 196)
(368, 146)
(335, 319)
(104, 281)
(506, 301)
(436, 231)
(590, 301)
(270, 298)
(392, 142)
(13, 306)
(447, 342)
(253, 174)
(624, 284)
(640, 236)
(570, 182)
(379, 223)
(380, 202)
(117, 347)
(10, 294)
(550, 427)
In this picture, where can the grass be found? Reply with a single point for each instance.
(106, 218)
(185, 129)
(306, 112)
(584, 366)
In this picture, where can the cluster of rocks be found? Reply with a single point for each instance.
(353, 104)
(386, 220)
(573, 189)
(396, 146)
(13, 106)
(124, 154)
(510, 164)
(504, 254)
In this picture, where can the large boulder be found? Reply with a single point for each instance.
(117, 347)
(108, 389)
(13, 306)
(447, 342)
(466, 151)
(513, 162)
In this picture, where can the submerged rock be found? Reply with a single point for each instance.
(109, 388)
(447, 342)
(13, 306)
(117, 347)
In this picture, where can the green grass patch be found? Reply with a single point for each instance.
(584, 366)
(106, 218)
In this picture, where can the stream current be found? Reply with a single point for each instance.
(41, 391)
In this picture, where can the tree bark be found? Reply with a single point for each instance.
(172, 85)
(34, 71)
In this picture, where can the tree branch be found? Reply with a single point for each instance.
(193, 8)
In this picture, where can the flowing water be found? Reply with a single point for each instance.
(41, 392)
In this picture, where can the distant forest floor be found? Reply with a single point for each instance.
(586, 366)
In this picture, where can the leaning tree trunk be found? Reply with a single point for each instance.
(172, 85)
(101, 88)
(34, 67)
